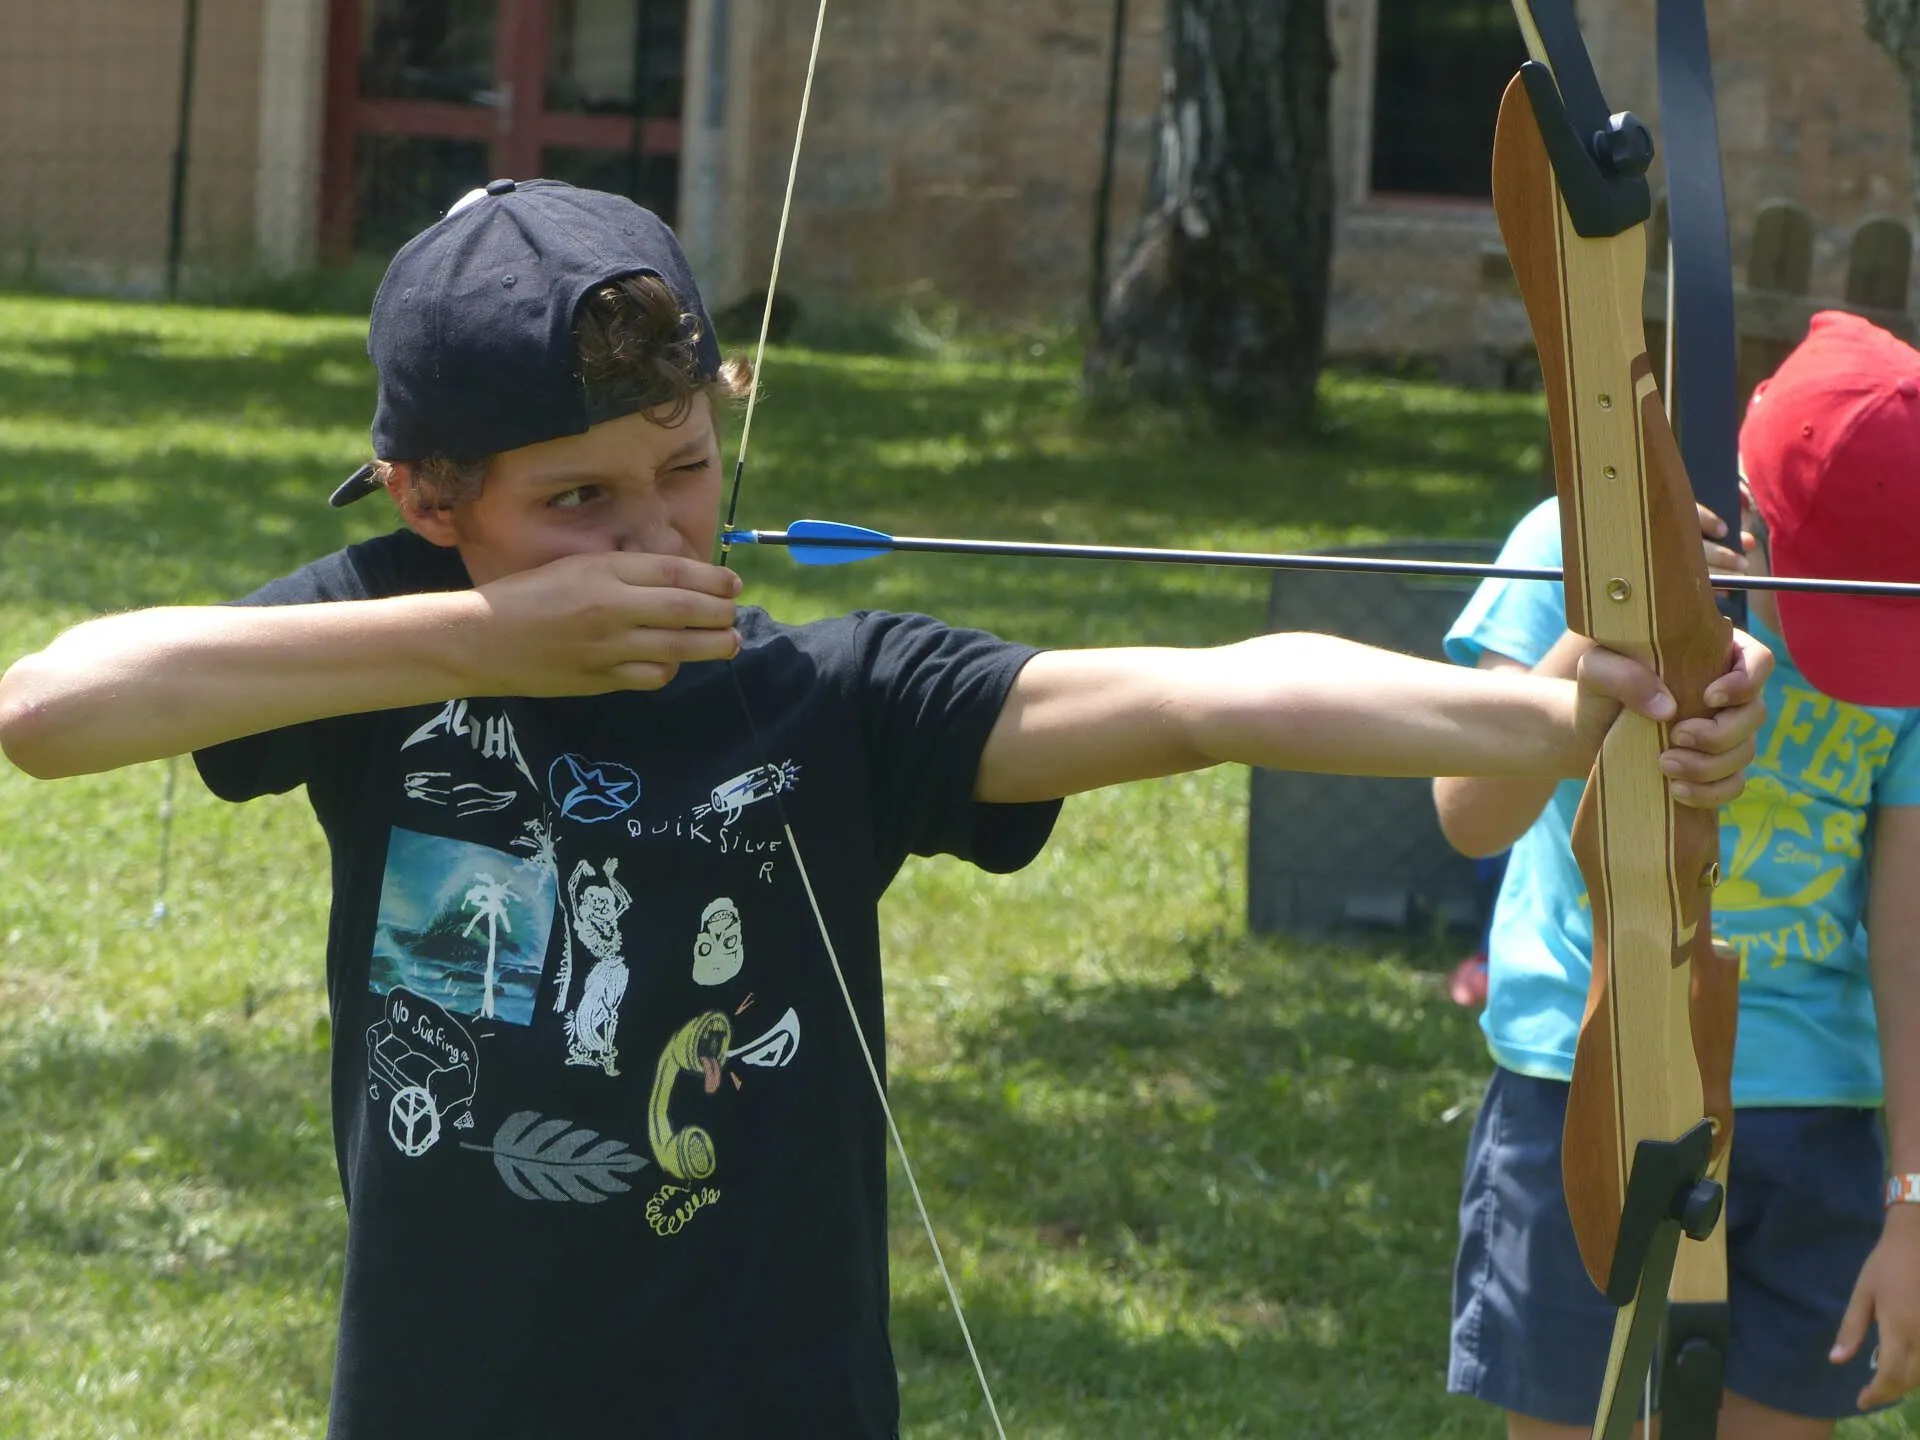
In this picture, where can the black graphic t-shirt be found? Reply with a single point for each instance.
(612, 1159)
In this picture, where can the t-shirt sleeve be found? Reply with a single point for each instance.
(1899, 782)
(274, 761)
(931, 696)
(1520, 619)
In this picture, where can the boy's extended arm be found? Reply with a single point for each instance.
(1483, 814)
(152, 683)
(1079, 719)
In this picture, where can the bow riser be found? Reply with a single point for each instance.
(1660, 1001)
(1649, 863)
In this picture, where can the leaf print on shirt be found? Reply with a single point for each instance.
(543, 1159)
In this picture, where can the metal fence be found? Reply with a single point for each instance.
(147, 145)
(1328, 853)
(128, 137)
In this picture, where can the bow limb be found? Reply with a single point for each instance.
(1702, 376)
(1641, 1136)
(1703, 402)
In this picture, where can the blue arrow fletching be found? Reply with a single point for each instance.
(848, 542)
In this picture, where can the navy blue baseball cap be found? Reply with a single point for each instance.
(472, 329)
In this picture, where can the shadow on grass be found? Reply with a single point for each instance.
(1070, 1373)
(195, 1153)
(959, 443)
(78, 531)
(106, 504)
(309, 376)
(1241, 1178)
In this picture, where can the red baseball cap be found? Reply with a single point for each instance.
(1831, 450)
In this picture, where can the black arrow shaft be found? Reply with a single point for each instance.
(1263, 560)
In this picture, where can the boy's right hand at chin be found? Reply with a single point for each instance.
(588, 624)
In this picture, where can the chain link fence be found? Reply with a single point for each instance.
(130, 130)
(1330, 853)
(155, 146)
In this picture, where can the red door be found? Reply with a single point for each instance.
(428, 98)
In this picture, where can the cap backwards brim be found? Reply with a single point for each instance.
(356, 486)
(472, 331)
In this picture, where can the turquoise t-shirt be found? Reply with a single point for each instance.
(1792, 854)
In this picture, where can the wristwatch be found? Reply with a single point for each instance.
(1903, 1190)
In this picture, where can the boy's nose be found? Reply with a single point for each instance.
(646, 528)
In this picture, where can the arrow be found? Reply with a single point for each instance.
(829, 542)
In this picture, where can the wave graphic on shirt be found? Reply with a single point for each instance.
(464, 925)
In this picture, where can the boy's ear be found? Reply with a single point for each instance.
(431, 522)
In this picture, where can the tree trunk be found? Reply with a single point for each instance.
(1894, 25)
(1222, 295)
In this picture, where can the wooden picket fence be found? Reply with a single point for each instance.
(1772, 308)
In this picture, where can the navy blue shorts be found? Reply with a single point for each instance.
(1530, 1332)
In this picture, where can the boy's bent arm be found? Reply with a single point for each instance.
(153, 683)
(1483, 815)
(1077, 720)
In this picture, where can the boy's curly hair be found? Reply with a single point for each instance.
(636, 352)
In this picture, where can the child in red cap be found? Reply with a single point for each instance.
(1830, 452)
(1829, 826)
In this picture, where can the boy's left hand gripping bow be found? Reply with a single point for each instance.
(1650, 1115)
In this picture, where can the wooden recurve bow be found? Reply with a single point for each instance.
(1650, 1115)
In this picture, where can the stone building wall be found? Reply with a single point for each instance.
(953, 149)
(1810, 110)
(952, 154)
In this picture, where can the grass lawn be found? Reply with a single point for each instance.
(1192, 1184)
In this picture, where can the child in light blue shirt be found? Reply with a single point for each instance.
(1830, 819)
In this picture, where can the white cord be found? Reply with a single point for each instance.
(793, 845)
(899, 1145)
(773, 277)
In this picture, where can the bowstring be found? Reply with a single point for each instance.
(780, 809)
(773, 284)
